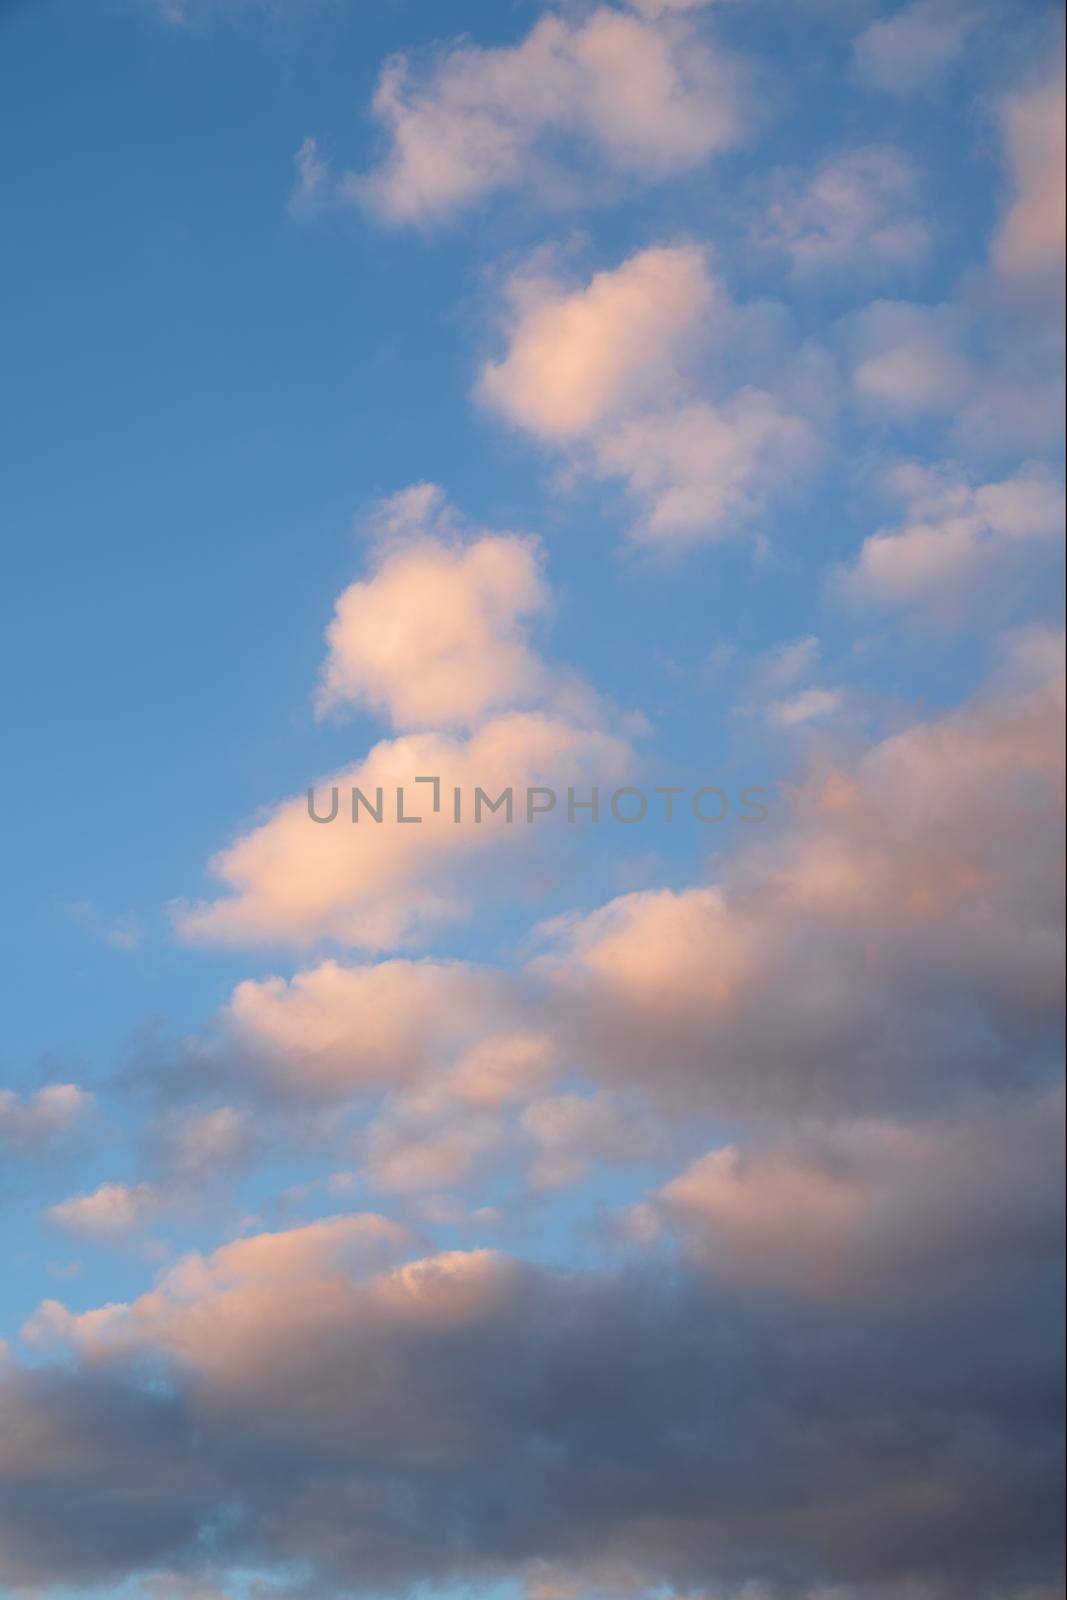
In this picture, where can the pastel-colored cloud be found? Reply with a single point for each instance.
(339, 1030)
(109, 1214)
(858, 213)
(378, 886)
(577, 358)
(637, 96)
(612, 370)
(910, 359)
(436, 634)
(28, 1122)
(1030, 241)
(952, 536)
(880, 1212)
(913, 50)
(367, 1408)
(887, 946)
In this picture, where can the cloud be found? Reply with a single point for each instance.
(364, 1414)
(899, 941)
(436, 635)
(912, 51)
(435, 638)
(909, 359)
(612, 372)
(576, 359)
(337, 1031)
(197, 1144)
(858, 213)
(379, 886)
(30, 1122)
(639, 97)
(1029, 244)
(311, 186)
(807, 705)
(881, 1212)
(952, 536)
(109, 1214)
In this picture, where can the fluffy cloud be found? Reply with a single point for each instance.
(109, 1214)
(909, 359)
(858, 213)
(639, 96)
(27, 1122)
(1030, 242)
(577, 359)
(376, 886)
(336, 1031)
(612, 371)
(952, 536)
(913, 50)
(881, 1212)
(901, 940)
(435, 635)
(371, 1421)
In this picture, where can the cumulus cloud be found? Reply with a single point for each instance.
(637, 96)
(913, 50)
(110, 1213)
(901, 940)
(336, 1031)
(576, 359)
(858, 213)
(1030, 241)
(28, 1122)
(377, 886)
(364, 1413)
(436, 634)
(435, 637)
(880, 1211)
(910, 359)
(953, 535)
(611, 371)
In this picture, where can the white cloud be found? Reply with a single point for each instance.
(612, 370)
(909, 358)
(808, 705)
(576, 359)
(110, 1213)
(953, 534)
(436, 635)
(1030, 241)
(379, 886)
(913, 50)
(628, 94)
(28, 1122)
(858, 213)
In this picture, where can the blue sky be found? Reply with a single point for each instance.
(776, 400)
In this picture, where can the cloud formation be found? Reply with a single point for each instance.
(900, 944)
(858, 213)
(28, 1122)
(913, 50)
(374, 1419)
(1030, 242)
(641, 97)
(435, 635)
(612, 372)
(953, 536)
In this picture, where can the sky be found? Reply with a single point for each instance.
(649, 412)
